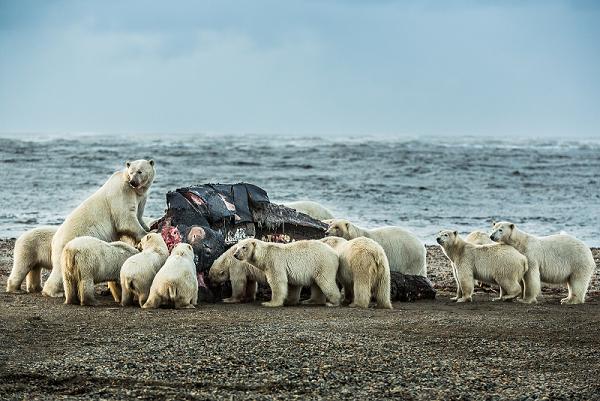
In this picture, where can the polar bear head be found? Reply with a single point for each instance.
(334, 242)
(139, 173)
(447, 237)
(219, 271)
(502, 231)
(245, 249)
(155, 242)
(342, 228)
(183, 249)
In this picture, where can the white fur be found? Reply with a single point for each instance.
(32, 253)
(405, 252)
(243, 276)
(554, 259)
(112, 211)
(313, 209)
(175, 283)
(496, 264)
(479, 238)
(289, 267)
(139, 270)
(88, 261)
(364, 271)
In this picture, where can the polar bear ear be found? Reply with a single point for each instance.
(456, 233)
(347, 224)
(151, 161)
(512, 226)
(493, 223)
(128, 164)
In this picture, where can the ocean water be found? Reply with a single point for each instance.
(424, 185)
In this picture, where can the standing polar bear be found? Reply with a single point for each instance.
(139, 270)
(364, 271)
(88, 261)
(555, 259)
(32, 253)
(289, 267)
(313, 209)
(175, 283)
(499, 264)
(113, 211)
(405, 253)
(243, 276)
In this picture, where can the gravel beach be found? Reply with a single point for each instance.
(425, 350)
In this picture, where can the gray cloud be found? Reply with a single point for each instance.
(515, 68)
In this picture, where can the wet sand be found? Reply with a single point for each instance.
(423, 350)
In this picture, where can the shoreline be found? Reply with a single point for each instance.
(423, 350)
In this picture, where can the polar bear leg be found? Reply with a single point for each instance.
(362, 294)
(533, 285)
(115, 290)
(577, 286)
(34, 280)
(458, 289)
(329, 288)
(509, 289)
(17, 275)
(126, 296)
(293, 297)
(250, 291)
(70, 286)
(465, 280)
(54, 285)
(499, 295)
(153, 302)
(86, 292)
(238, 290)
(142, 298)
(382, 290)
(316, 296)
(183, 303)
(279, 287)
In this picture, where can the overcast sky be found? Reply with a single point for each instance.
(301, 67)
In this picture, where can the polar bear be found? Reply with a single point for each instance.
(243, 276)
(363, 272)
(479, 238)
(313, 209)
(405, 253)
(289, 267)
(497, 263)
(88, 261)
(112, 211)
(31, 254)
(175, 283)
(139, 270)
(554, 259)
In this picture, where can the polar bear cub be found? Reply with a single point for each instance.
(32, 253)
(405, 252)
(243, 276)
(88, 261)
(289, 267)
(498, 264)
(313, 209)
(139, 270)
(363, 271)
(112, 211)
(554, 259)
(176, 282)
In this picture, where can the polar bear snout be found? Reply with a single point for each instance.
(238, 254)
(439, 241)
